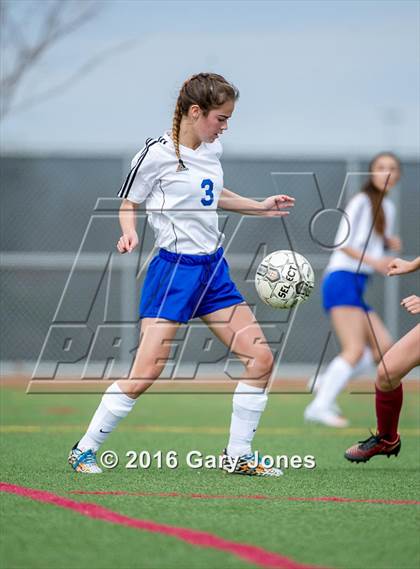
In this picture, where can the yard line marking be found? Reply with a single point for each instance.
(162, 429)
(251, 497)
(250, 553)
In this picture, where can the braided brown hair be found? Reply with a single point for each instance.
(376, 195)
(208, 91)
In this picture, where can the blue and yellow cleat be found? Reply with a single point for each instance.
(83, 461)
(248, 465)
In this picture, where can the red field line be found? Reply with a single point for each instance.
(253, 497)
(249, 553)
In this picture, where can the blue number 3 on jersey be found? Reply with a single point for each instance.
(209, 192)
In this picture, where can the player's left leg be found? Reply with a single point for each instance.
(396, 363)
(238, 329)
(378, 343)
(378, 337)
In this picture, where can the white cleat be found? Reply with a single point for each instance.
(326, 417)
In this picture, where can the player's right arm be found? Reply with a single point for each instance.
(129, 238)
(134, 190)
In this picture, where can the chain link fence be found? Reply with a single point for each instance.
(59, 228)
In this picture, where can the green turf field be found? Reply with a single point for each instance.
(38, 431)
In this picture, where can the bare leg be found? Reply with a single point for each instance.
(378, 336)
(120, 397)
(350, 325)
(399, 360)
(155, 344)
(396, 363)
(238, 329)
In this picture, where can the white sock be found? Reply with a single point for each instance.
(248, 404)
(362, 365)
(114, 406)
(334, 379)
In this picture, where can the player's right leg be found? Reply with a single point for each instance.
(120, 397)
(396, 363)
(379, 342)
(349, 323)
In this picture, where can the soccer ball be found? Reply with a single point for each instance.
(284, 279)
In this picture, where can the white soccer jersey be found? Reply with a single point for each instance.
(359, 213)
(181, 206)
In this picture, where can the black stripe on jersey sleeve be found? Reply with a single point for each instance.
(126, 187)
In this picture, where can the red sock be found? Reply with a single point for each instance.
(388, 407)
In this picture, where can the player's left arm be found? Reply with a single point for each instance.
(401, 266)
(273, 206)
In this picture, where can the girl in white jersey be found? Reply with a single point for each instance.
(180, 178)
(363, 235)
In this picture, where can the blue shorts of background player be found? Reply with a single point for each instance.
(344, 288)
(179, 287)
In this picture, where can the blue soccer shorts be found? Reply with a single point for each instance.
(344, 288)
(180, 287)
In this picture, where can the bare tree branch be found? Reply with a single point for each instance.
(75, 77)
(58, 19)
(12, 28)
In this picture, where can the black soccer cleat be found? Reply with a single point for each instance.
(373, 446)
